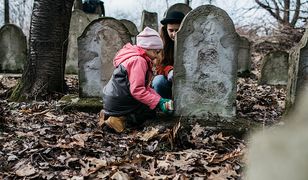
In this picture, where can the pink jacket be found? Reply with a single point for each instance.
(139, 69)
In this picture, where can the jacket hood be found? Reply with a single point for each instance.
(127, 52)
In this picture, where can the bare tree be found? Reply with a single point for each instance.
(286, 12)
(6, 12)
(44, 70)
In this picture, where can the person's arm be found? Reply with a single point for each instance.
(136, 69)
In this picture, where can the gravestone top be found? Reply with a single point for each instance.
(13, 49)
(205, 67)
(274, 68)
(298, 73)
(244, 57)
(181, 7)
(79, 21)
(132, 28)
(149, 19)
(97, 46)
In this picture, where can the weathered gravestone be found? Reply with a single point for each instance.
(298, 71)
(132, 28)
(181, 7)
(13, 49)
(79, 22)
(149, 19)
(97, 47)
(274, 68)
(205, 67)
(244, 56)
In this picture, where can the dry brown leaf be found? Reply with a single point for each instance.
(224, 173)
(197, 130)
(91, 165)
(78, 139)
(25, 170)
(119, 175)
(148, 134)
(259, 107)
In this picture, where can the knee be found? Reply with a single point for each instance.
(159, 81)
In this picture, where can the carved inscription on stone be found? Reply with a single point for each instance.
(205, 64)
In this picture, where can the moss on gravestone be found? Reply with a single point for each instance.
(73, 102)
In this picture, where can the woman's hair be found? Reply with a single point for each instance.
(168, 51)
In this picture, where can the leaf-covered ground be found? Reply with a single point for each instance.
(40, 141)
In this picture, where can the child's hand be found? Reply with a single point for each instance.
(166, 105)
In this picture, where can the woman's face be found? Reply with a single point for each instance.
(172, 29)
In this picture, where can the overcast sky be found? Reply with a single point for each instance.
(132, 9)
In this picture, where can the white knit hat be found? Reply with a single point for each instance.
(149, 39)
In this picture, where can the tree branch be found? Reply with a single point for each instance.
(296, 13)
(269, 9)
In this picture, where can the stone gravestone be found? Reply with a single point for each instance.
(79, 21)
(97, 47)
(132, 28)
(274, 69)
(181, 7)
(298, 71)
(244, 56)
(205, 67)
(13, 49)
(149, 19)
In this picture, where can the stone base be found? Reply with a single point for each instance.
(74, 102)
(237, 127)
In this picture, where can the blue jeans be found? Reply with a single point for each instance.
(162, 86)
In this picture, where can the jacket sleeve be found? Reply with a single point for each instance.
(167, 69)
(136, 69)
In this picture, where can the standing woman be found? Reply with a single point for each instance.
(162, 82)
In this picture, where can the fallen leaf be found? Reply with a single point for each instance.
(119, 175)
(25, 170)
(148, 134)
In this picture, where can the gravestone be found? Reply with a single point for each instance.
(97, 46)
(205, 67)
(132, 28)
(244, 56)
(274, 68)
(13, 49)
(181, 7)
(298, 71)
(79, 21)
(149, 19)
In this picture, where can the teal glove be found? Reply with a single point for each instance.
(166, 105)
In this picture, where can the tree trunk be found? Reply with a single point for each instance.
(78, 4)
(44, 70)
(6, 12)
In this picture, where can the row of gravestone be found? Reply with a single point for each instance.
(207, 50)
(206, 61)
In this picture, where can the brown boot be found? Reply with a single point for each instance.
(101, 118)
(116, 123)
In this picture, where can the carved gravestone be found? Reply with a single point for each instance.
(298, 71)
(13, 49)
(79, 21)
(149, 19)
(244, 56)
(274, 70)
(205, 67)
(132, 28)
(97, 47)
(181, 7)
